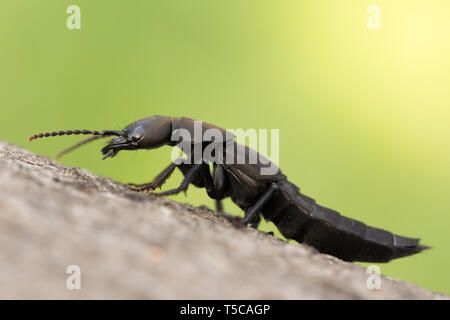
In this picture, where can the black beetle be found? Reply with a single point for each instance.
(297, 216)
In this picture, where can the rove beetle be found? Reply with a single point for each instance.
(297, 216)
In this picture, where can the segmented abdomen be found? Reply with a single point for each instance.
(298, 217)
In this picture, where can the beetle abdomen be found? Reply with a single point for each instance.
(298, 217)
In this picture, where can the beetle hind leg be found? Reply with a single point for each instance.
(255, 223)
(251, 214)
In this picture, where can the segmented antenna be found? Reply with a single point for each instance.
(76, 145)
(96, 135)
(70, 132)
(62, 133)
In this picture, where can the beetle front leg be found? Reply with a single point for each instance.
(184, 185)
(158, 181)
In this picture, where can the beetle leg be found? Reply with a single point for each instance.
(219, 206)
(252, 212)
(219, 180)
(219, 185)
(184, 185)
(255, 223)
(205, 180)
(158, 181)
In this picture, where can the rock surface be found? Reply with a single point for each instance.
(132, 246)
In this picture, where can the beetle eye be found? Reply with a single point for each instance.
(138, 133)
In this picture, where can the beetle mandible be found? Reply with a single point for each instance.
(273, 197)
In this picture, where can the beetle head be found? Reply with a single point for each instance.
(147, 133)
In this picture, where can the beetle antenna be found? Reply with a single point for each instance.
(96, 135)
(77, 145)
(70, 132)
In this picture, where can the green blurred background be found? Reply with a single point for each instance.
(363, 114)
